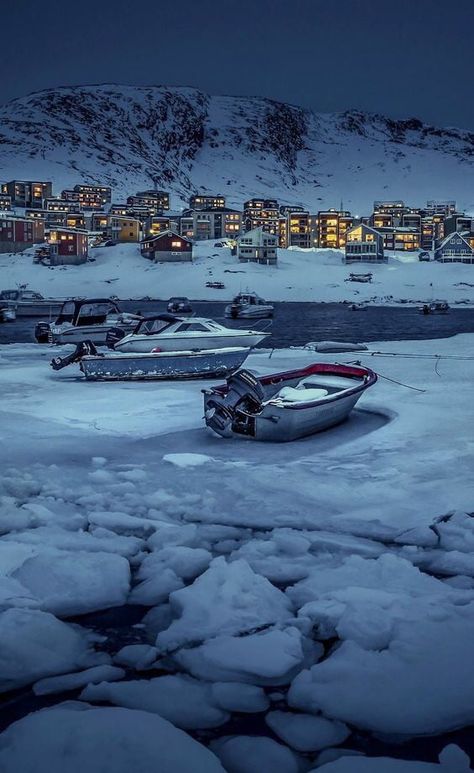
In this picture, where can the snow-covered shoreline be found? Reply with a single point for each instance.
(253, 559)
(300, 275)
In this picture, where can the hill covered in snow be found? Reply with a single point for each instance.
(183, 140)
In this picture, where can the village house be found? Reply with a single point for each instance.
(123, 229)
(19, 233)
(27, 193)
(455, 248)
(186, 224)
(364, 245)
(457, 223)
(60, 205)
(156, 224)
(167, 247)
(67, 246)
(88, 196)
(432, 230)
(5, 202)
(204, 201)
(154, 201)
(332, 226)
(445, 208)
(261, 213)
(295, 228)
(219, 223)
(400, 238)
(257, 246)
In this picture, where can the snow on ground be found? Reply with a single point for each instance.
(324, 587)
(300, 275)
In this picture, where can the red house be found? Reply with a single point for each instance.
(68, 246)
(19, 233)
(167, 246)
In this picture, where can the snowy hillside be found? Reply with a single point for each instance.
(300, 275)
(183, 140)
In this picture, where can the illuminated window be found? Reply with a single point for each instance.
(176, 244)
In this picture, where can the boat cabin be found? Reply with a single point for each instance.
(161, 322)
(89, 311)
(249, 299)
(20, 295)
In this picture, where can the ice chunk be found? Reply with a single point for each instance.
(163, 571)
(75, 583)
(182, 700)
(34, 644)
(253, 754)
(247, 698)
(156, 588)
(65, 682)
(95, 740)
(226, 599)
(187, 460)
(137, 656)
(451, 760)
(269, 657)
(306, 733)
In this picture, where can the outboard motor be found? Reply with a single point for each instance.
(244, 391)
(85, 347)
(42, 331)
(114, 334)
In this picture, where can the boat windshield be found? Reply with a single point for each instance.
(150, 326)
(9, 295)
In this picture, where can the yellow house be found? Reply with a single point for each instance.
(124, 229)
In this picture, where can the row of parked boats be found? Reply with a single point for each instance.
(114, 345)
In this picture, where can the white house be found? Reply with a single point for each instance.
(257, 246)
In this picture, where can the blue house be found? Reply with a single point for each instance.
(454, 248)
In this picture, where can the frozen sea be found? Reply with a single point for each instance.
(174, 601)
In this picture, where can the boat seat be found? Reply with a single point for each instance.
(293, 395)
(321, 381)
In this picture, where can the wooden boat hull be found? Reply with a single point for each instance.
(163, 365)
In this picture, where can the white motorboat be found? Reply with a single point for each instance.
(88, 319)
(168, 333)
(249, 306)
(28, 303)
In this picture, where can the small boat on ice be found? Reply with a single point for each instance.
(285, 406)
(249, 306)
(435, 307)
(171, 333)
(86, 319)
(115, 366)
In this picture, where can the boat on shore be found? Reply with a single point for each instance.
(170, 333)
(249, 306)
(114, 366)
(28, 303)
(86, 319)
(435, 307)
(285, 406)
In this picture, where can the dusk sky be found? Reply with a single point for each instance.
(404, 58)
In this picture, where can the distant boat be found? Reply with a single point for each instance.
(28, 303)
(249, 306)
(7, 313)
(358, 307)
(136, 366)
(435, 307)
(179, 305)
(359, 277)
(285, 406)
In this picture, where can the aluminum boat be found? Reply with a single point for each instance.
(285, 406)
(87, 319)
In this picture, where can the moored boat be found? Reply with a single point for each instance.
(435, 307)
(28, 303)
(173, 334)
(249, 306)
(86, 319)
(285, 406)
(113, 366)
(179, 305)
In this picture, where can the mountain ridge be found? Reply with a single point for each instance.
(183, 140)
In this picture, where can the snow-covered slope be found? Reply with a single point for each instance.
(184, 140)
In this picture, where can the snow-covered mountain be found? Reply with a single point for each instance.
(184, 140)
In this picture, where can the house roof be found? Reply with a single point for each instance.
(369, 228)
(166, 233)
(259, 230)
(448, 238)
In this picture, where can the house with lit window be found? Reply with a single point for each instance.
(88, 196)
(257, 246)
(27, 193)
(261, 213)
(457, 223)
(5, 202)
(401, 238)
(295, 228)
(67, 246)
(19, 233)
(332, 226)
(123, 229)
(205, 201)
(156, 224)
(218, 223)
(364, 245)
(455, 248)
(167, 247)
(157, 201)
